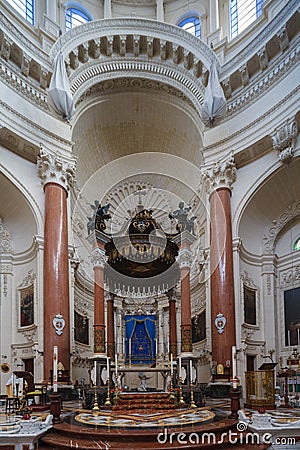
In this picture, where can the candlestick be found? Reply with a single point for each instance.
(55, 358)
(95, 409)
(171, 363)
(193, 404)
(181, 400)
(107, 402)
(172, 396)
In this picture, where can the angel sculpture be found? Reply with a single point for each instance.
(183, 222)
(101, 216)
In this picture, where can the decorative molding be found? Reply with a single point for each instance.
(55, 169)
(30, 335)
(28, 280)
(135, 27)
(270, 238)
(290, 277)
(221, 175)
(30, 124)
(284, 139)
(133, 83)
(247, 281)
(5, 238)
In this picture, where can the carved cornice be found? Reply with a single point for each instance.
(55, 169)
(99, 258)
(290, 277)
(270, 238)
(284, 139)
(221, 175)
(247, 281)
(5, 239)
(28, 280)
(137, 27)
(133, 83)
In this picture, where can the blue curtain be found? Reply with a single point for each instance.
(140, 339)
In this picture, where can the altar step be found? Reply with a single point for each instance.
(64, 436)
(144, 401)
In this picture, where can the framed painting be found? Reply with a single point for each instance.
(26, 306)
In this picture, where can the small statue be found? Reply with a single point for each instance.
(181, 215)
(100, 214)
(142, 387)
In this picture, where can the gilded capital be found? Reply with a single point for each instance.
(220, 175)
(53, 168)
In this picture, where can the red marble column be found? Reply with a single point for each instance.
(98, 260)
(222, 282)
(185, 260)
(110, 328)
(172, 323)
(56, 276)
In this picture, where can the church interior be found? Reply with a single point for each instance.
(149, 224)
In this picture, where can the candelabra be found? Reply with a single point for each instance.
(172, 396)
(181, 401)
(107, 402)
(95, 409)
(193, 404)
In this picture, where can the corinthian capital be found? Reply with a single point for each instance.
(99, 258)
(53, 168)
(284, 139)
(221, 175)
(185, 258)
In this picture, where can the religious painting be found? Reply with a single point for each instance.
(81, 328)
(292, 317)
(199, 327)
(27, 306)
(249, 306)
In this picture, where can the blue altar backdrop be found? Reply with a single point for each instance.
(140, 339)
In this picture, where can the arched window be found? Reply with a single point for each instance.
(76, 16)
(192, 25)
(25, 8)
(296, 245)
(242, 14)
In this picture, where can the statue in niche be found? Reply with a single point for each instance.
(100, 214)
(183, 222)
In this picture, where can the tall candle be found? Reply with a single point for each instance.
(55, 358)
(289, 338)
(107, 365)
(191, 371)
(129, 347)
(116, 363)
(171, 363)
(298, 337)
(179, 363)
(233, 361)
